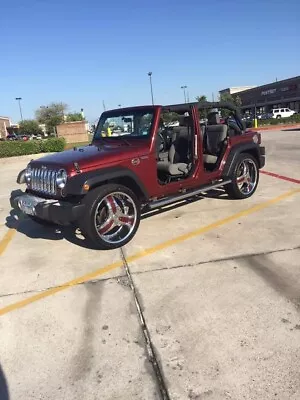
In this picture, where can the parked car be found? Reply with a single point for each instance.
(282, 113)
(12, 136)
(105, 187)
(24, 137)
(35, 137)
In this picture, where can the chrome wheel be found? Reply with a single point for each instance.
(115, 217)
(247, 176)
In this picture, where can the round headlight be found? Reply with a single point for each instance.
(61, 178)
(28, 174)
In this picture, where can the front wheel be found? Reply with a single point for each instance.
(112, 216)
(245, 177)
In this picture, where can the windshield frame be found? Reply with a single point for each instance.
(124, 112)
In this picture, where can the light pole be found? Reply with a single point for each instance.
(19, 101)
(184, 93)
(151, 88)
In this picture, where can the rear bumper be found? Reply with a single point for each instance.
(60, 212)
(262, 156)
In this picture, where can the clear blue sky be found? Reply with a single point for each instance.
(84, 52)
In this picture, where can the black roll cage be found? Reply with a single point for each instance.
(206, 105)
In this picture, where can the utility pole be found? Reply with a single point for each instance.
(104, 108)
(20, 108)
(184, 93)
(151, 88)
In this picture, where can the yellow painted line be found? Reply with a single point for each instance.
(147, 252)
(50, 292)
(4, 242)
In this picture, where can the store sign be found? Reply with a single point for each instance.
(269, 91)
(287, 88)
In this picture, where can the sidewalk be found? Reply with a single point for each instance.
(278, 127)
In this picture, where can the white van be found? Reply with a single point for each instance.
(282, 113)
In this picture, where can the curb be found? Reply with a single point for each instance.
(274, 127)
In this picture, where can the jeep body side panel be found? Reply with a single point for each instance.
(98, 176)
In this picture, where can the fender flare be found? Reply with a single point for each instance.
(96, 177)
(236, 151)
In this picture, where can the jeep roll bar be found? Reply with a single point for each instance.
(206, 105)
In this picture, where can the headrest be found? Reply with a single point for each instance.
(213, 119)
(217, 128)
(184, 120)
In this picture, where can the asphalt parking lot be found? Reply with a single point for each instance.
(204, 303)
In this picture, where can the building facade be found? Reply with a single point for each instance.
(284, 93)
(236, 89)
(4, 124)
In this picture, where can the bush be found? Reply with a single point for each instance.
(52, 145)
(20, 148)
(274, 121)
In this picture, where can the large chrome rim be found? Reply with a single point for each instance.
(247, 176)
(115, 217)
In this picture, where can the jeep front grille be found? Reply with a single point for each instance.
(43, 180)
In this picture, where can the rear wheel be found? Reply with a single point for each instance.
(112, 216)
(245, 177)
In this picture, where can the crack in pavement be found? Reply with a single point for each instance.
(223, 259)
(195, 264)
(149, 346)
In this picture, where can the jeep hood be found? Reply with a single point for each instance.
(91, 155)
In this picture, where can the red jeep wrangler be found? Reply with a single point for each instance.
(140, 159)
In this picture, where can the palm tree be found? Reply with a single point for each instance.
(201, 98)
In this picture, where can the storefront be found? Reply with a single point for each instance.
(285, 93)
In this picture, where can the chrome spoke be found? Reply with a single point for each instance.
(115, 217)
(106, 226)
(112, 204)
(127, 220)
(247, 180)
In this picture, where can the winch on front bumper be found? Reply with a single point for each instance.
(57, 211)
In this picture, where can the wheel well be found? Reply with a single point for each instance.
(125, 181)
(253, 152)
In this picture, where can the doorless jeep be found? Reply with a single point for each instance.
(140, 159)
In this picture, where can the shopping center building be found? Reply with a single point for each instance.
(284, 93)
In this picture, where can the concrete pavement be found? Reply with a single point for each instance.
(220, 305)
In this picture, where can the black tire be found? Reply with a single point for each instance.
(278, 116)
(41, 221)
(233, 190)
(93, 201)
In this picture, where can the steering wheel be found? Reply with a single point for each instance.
(162, 142)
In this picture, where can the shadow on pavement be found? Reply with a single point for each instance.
(72, 234)
(34, 230)
(212, 194)
(4, 394)
(291, 129)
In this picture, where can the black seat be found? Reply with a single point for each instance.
(215, 136)
(178, 161)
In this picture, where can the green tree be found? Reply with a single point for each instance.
(201, 98)
(229, 98)
(29, 127)
(75, 116)
(168, 117)
(202, 113)
(51, 115)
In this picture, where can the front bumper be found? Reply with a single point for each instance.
(262, 156)
(57, 211)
